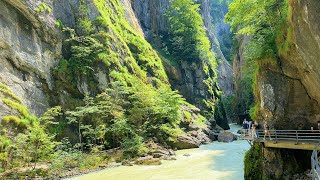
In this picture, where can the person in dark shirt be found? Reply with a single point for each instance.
(245, 126)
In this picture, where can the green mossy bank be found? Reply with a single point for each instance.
(111, 97)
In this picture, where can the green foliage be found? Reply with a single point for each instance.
(34, 145)
(23, 140)
(52, 120)
(59, 24)
(67, 157)
(11, 119)
(24, 112)
(50, 114)
(218, 9)
(7, 92)
(14, 103)
(122, 112)
(200, 121)
(253, 162)
(84, 51)
(263, 21)
(229, 104)
(187, 36)
(43, 7)
(187, 116)
(134, 146)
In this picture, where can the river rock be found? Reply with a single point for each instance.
(226, 137)
(169, 158)
(187, 142)
(148, 160)
(194, 126)
(127, 163)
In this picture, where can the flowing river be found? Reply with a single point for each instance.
(218, 161)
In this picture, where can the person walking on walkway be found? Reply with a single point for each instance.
(266, 130)
(253, 132)
(245, 126)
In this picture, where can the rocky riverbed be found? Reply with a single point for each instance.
(217, 160)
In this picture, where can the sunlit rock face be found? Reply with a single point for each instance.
(31, 46)
(302, 61)
(288, 90)
(185, 77)
(225, 72)
(151, 15)
(27, 52)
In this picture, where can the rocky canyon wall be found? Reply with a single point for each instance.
(187, 77)
(287, 89)
(31, 46)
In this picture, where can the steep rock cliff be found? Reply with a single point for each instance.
(287, 87)
(29, 48)
(186, 77)
(37, 55)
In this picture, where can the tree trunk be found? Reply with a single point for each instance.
(79, 131)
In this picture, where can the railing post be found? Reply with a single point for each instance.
(296, 137)
(275, 133)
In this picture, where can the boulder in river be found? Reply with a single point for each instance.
(127, 163)
(226, 137)
(148, 160)
(186, 142)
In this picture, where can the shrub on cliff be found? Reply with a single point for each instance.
(253, 162)
(187, 39)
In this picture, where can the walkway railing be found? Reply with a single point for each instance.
(294, 136)
(283, 135)
(315, 167)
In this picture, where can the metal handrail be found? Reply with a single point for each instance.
(288, 135)
(295, 136)
(315, 167)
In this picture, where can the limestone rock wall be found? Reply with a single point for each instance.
(186, 77)
(225, 72)
(27, 52)
(289, 89)
(289, 95)
(31, 46)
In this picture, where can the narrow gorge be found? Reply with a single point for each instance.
(85, 84)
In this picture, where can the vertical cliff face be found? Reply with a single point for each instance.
(214, 25)
(287, 92)
(288, 88)
(28, 50)
(151, 15)
(32, 52)
(186, 77)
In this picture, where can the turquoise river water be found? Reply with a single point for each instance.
(215, 161)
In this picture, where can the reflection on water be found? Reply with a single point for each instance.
(218, 161)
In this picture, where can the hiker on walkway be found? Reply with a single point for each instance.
(266, 130)
(253, 131)
(249, 124)
(245, 126)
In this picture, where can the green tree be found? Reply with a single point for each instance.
(261, 19)
(34, 145)
(187, 35)
(80, 113)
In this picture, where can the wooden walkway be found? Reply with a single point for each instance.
(290, 139)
